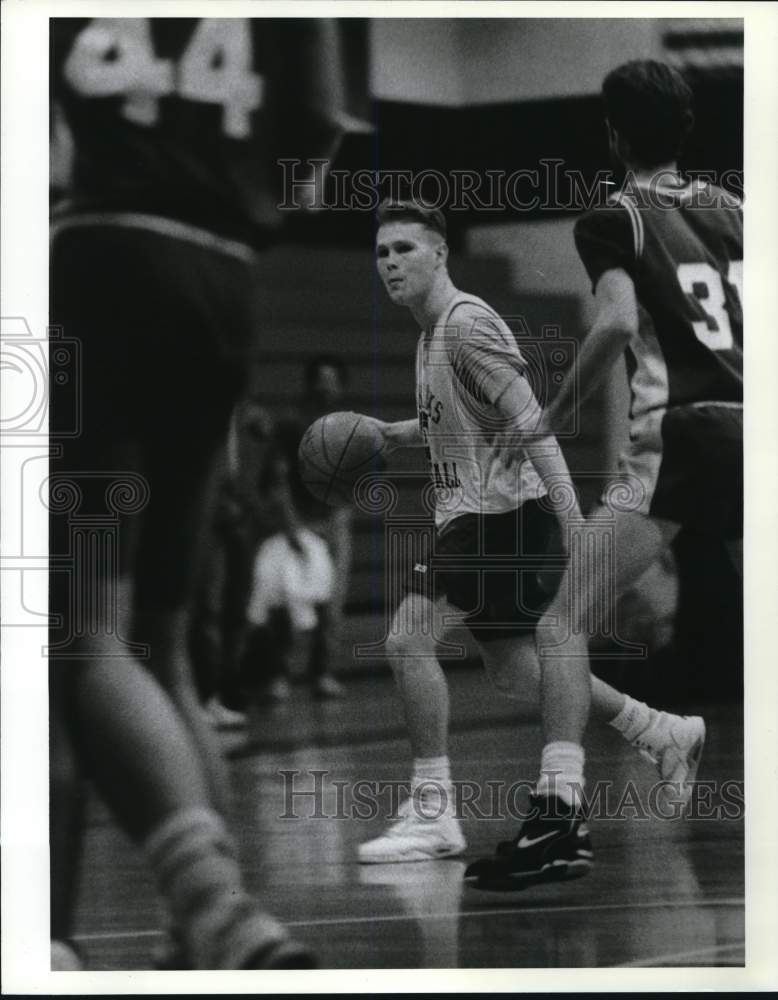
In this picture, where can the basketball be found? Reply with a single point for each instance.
(336, 451)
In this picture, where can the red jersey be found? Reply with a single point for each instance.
(187, 118)
(683, 249)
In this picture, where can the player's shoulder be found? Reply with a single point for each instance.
(470, 310)
(719, 197)
(616, 224)
(614, 212)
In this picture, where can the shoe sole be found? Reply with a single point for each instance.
(414, 856)
(553, 872)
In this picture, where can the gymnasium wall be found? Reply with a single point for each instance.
(469, 61)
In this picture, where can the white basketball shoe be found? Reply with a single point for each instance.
(423, 831)
(674, 743)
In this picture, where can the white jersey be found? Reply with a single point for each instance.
(464, 363)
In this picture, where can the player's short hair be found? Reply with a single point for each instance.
(406, 210)
(650, 104)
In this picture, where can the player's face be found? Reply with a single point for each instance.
(408, 257)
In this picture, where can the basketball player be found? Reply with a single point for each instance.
(665, 258)
(176, 128)
(504, 499)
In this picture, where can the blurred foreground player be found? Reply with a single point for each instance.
(503, 500)
(176, 125)
(665, 257)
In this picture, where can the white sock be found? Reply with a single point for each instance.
(194, 859)
(561, 772)
(431, 779)
(634, 718)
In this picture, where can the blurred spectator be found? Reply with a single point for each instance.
(219, 625)
(302, 571)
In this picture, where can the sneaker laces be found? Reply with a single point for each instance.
(647, 747)
(645, 751)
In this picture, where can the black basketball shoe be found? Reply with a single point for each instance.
(552, 845)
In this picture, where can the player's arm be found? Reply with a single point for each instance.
(400, 434)
(523, 436)
(490, 370)
(615, 324)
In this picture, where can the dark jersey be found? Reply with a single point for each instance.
(187, 118)
(683, 249)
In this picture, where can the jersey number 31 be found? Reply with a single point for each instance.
(114, 56)
(704, 284)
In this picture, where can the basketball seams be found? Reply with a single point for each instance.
(336, 469)
(363, 461)
(307, 452)
(324, 451)
(330, 478)
(310, 471)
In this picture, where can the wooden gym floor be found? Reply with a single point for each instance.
(662, 892)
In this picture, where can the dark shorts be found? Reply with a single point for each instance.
(690, 468)
(501, 569)
(701, 477)
(155, 333)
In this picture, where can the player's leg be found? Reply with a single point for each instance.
(194, 370)
(130, 735)
(670, 741)
(410, 648)
(553, 842)
(167, 554)
(426, 827)
(132, 743)
(635, 541)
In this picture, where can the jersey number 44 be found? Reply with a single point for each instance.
(115, 56)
